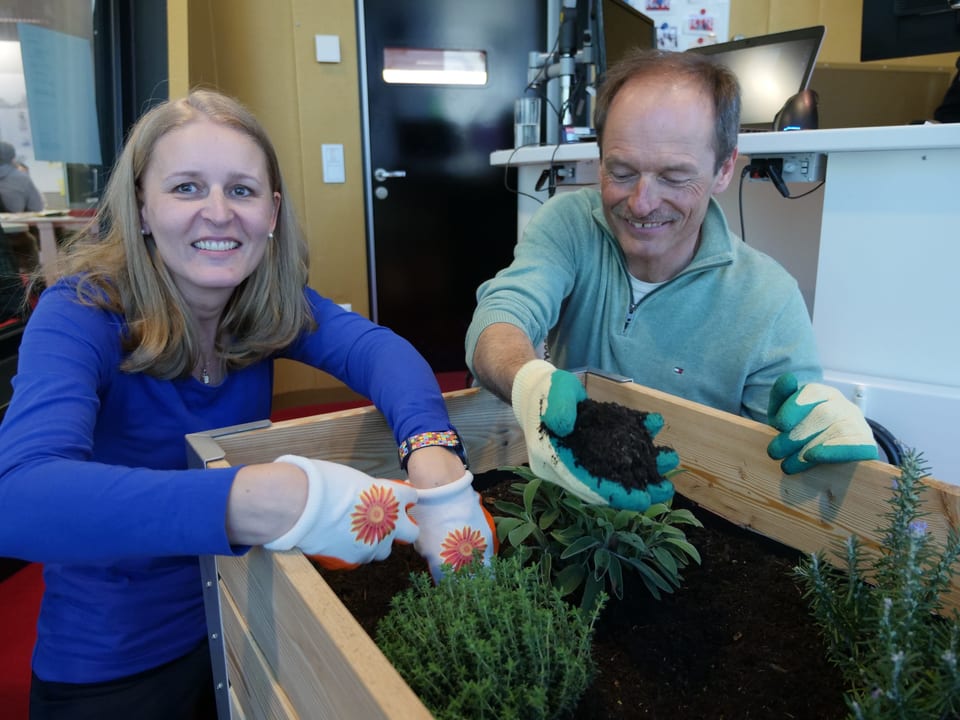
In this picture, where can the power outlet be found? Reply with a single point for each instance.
(798, 167)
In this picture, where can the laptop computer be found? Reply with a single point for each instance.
(771, 69)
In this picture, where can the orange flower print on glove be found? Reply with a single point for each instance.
(375, 516)
(455, 527)
(349, 518)
(462, 546)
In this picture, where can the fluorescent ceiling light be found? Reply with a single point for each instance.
(417, 66)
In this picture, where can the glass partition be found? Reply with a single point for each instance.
(74, 76)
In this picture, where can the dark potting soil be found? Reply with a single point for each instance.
(611, 441)
(736, 641)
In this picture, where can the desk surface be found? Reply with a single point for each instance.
(895, 137)
(57, 217)
(46, 224)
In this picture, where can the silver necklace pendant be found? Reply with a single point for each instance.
(204, 375)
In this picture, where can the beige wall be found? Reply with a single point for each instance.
(262, 53)
(841, 18)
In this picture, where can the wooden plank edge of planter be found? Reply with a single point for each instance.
(303, 653)
(728, 472)
(361, 438)
(253, 683)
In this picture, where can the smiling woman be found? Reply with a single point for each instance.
(167, 323)
(209, 208)
(209, 192)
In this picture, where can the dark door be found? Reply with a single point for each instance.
(440, 218)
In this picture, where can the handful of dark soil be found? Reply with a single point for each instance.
(611, 441)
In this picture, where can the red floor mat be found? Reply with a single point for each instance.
(19, 607)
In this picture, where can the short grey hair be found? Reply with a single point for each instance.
(717, 81)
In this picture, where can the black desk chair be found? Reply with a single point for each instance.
(13, 312)
(11, 333)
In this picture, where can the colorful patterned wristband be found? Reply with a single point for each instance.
(447, 438)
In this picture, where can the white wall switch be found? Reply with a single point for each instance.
(327, 48)
(333, 171)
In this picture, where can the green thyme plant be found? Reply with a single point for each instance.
(490, 642)
(882, 619)
(589, 547)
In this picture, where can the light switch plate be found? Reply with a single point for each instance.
(327, 48)
(333, 171)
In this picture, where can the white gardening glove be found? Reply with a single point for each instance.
(544, 395)
(350, 518)
(454, 526)
(817, 425)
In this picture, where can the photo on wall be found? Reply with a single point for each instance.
(682, 25)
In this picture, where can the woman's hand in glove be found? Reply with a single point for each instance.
(455, 527)
(349, 518)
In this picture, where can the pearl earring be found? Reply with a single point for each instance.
(270, 235)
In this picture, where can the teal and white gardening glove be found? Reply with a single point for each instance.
(545, 398)
(817, 424)
(350, 518)
(455, 527)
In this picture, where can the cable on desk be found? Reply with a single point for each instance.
(506, 178)
(887, 442)
(767, 170)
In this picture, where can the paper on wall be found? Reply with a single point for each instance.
(682, 24)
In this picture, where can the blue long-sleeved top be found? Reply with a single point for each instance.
(94, 480)
(719, 333)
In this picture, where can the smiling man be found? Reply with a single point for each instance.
(644, 278)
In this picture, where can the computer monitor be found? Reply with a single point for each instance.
(619, 28)
(904, 28)
(770, 68)
(611, 28)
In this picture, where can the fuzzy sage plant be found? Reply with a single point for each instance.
(588, 548)
(490, 643)
(883, 619)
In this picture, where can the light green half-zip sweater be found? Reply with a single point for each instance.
(719, 333)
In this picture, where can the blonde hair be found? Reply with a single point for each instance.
(118, 269)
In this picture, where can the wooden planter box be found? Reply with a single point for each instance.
(283, 644)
